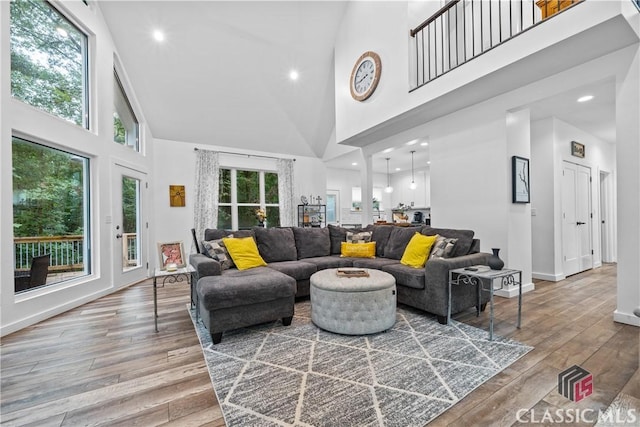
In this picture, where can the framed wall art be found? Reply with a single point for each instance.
(171, 253)
(577, 149)
(520, 179)
(176, 196)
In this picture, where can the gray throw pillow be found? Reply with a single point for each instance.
(465, 238)
(443, 248)
(361, 237)
(312, 242)
(380, 235)
(215, 249)
(276, 244)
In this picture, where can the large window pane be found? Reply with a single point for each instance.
(247, 216)
(125, 124)
(130, 222)
(270, 187)
(224, 218)
(50, 211)
(224, 187)
(273, 216)
(48, 61)
(248, 185)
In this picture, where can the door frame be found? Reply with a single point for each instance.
(122, 278)
(588, 221)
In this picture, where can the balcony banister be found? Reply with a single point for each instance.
(433, 17)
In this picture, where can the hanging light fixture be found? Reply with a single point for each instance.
(413, 182)
(389, 188)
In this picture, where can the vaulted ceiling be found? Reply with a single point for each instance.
(221, 75)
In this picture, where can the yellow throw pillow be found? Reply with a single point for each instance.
(417, 251)
(358, 250)
(243, 252)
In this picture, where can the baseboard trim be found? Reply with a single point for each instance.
(548, 277)
(513, 291)
(626, 318)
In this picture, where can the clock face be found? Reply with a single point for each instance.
(365, 76)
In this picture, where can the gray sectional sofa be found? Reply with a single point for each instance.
(294, 252)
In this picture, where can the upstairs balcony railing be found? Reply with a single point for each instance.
(465, 29)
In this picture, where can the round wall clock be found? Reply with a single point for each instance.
(365, 76)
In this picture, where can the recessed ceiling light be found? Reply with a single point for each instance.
(585, 98)
(158, 35)
(412, 142)
(293, 75)
(388, 150)
(429, 162)
(397, 169)
(62, 32)
(424, 144)
(354, 164)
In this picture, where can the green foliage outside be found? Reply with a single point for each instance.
(47, 60)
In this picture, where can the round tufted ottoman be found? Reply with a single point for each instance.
(353, 305)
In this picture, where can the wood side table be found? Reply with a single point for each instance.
(184, 274)
(484, 278)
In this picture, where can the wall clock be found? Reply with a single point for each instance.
(365, 76)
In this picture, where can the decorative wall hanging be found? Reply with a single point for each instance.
(176, 196)
(520, 179)
(577, 149)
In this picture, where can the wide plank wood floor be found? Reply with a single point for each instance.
(103, 364)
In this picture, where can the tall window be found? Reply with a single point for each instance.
(48, 61)
(50, 211)
(125, 124)
(242, 193)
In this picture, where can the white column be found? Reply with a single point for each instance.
(366, 183)
(628, 189)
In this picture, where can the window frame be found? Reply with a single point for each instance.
(118, 84)
(234, 205)
(85, 72)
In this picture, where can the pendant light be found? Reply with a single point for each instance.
(413, 182)
(389, 188)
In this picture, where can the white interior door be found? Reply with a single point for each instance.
(576, 219)
(130, 257)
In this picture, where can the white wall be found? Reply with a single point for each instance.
(384, 28)
(18, 311)
(551, 146)
(177, 161)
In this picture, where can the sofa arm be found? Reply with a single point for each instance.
(204, 266)
(437, 270)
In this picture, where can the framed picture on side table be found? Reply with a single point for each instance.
(520, 179)
(171, 255)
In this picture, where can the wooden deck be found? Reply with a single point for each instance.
(103, 364)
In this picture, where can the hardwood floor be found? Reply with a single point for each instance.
(103, 364)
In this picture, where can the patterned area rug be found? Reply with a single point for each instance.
(300, 375)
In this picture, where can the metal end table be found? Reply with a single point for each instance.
(481, 276)
(183, 274)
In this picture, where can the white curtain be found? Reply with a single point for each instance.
(206, 193)
(285, 192)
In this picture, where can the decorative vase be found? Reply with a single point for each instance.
(494, 260)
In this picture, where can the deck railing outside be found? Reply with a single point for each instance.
(464, 29)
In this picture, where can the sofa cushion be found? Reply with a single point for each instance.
(338, 235)
(398, 241)
(276, 244)
(406, 276)
(299, 270)
(380, 234)
(215, 249)
(417, 251)
(238, 288)
(465, 238)
(312, 242)
(358, 250)
(443, 248)
(376, 263)
(244, 252)
(331, 261)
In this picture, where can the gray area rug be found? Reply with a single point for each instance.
(300, 375)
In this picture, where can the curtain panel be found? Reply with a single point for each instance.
(206, 192)
(285, 192)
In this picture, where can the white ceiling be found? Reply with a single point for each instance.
(221, 77)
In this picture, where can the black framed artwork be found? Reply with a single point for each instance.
(520, 180)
